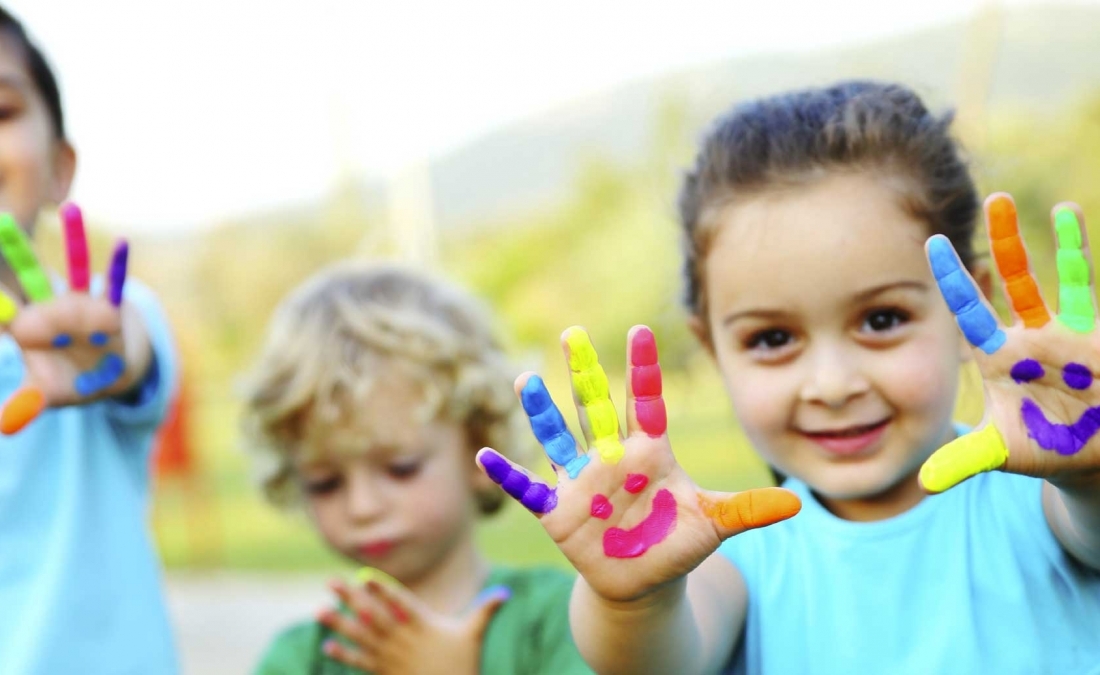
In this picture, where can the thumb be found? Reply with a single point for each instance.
(486, 605)
(734, 513)
(968, 455)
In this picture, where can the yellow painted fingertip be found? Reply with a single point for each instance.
(23, 406)
(368, 574)
(968, 455)
(8, 308)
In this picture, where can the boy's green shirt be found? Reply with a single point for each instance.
(529, 634)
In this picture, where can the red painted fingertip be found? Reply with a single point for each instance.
(645, 383)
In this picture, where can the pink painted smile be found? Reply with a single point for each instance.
(654, 528)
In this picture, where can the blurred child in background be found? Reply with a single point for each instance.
(376, 387)
(89, 371)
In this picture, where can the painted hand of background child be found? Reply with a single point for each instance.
(1042, 412)
(624, 513)
(76, 346)
(393, 633)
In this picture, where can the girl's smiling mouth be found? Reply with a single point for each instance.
(849, 441)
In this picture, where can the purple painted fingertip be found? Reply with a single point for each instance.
(116, 274)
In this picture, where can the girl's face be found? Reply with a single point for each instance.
(391, 491)
(838, 352)
(36, 168)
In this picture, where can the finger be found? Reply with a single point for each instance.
(76, 247)
(373, 616)
(69, 318)
(549, 427)
(17, 251)
(9, 308)
(968, 455)
(644, 393)
(536, 496)
(486, 605)
(348, 655)
(400, 603)
(116, 273)
(21, 409)
(976, 320)
(593, 397)
(735, 513)
(1076, 308)
(349, 627)
(1010, 255)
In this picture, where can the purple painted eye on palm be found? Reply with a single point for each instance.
(1065, 439)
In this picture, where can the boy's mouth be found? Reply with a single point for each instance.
(850, 440)
(376, 549)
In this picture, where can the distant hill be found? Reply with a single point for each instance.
(1031, 57)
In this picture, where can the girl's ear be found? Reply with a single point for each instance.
(64, 169)
(701, 332)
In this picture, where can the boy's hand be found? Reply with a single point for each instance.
(623, 512)
(76, 347)
(393, 633)
(1042, 407)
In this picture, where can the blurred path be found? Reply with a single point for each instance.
(224, 621)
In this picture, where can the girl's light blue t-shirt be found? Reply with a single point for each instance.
(968, 581)
(80, 586)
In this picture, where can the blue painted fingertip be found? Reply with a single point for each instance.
(549, 427)
(975, 321)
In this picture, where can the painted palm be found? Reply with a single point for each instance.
(623, 511)
(71, 343)
(1042, 410)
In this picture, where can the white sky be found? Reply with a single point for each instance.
(185, 112)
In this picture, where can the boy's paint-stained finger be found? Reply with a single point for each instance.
(593, 395)
(17, 251)
(116, 273)
(976, 322)
(549, 427)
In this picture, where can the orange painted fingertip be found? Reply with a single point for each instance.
(1002, 217)
(23, 406)
(752, 508)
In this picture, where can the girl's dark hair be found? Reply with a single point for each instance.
(39, 69)
(794, 138)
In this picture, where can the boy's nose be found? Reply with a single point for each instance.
(834, 377)
(365, 501)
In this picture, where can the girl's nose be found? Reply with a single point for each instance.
(834, 377)
(365, 500)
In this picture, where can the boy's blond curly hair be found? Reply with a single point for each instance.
(331, 339)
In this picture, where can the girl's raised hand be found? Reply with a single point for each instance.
(1042, 410)
(73, 345)
(622, 511)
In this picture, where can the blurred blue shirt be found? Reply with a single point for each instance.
(968, 581)
(80, 586)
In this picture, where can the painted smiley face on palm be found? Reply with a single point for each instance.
(986, 449)
(1065, 439)
(591, 388)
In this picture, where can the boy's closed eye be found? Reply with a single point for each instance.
(404, 469)
(322, 485)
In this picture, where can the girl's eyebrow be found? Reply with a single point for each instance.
(766, 314)
(891, 286)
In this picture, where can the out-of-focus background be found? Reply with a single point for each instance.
(530, 151)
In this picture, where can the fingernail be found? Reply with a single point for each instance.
(499, 591)
(329, 647)
(364, 617)
(399, 614)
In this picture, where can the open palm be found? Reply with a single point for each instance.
(1042, 412)
(624, 513)
(72, 343)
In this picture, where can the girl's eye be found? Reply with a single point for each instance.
(772, 338)
(324, 486)
(403, 470)
(882, 320)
